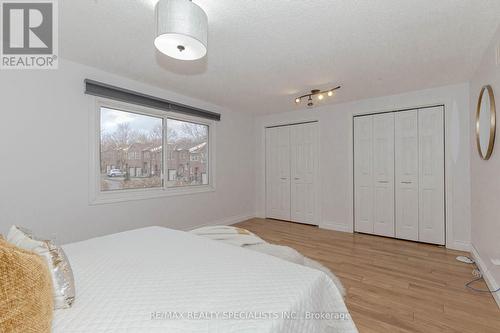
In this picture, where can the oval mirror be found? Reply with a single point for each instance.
(485, 122)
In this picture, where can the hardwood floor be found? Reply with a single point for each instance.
(392, 285)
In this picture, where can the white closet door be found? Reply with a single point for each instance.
(363, 174)
(278, 173)
(431, 175)
(383, 174)
(304, 165)
(406, 173)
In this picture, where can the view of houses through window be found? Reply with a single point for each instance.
(187, 157)
(132, 151)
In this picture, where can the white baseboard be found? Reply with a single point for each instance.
(335, 226)
(488, 278)
(459, 245)
(260, 215)
(225, 221)
(454, 244)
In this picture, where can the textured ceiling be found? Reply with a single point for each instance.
(263, 53)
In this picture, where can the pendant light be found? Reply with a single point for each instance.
(181, 29)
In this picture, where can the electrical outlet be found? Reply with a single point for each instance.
(495, 262)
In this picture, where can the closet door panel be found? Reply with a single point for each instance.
(304, 165)
(431, 175)
(363, 174)
(406, 174)
(278, 173)
(383, 174)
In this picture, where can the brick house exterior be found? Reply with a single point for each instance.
(138, 160)
(186, 164)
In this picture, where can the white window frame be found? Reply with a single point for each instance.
(96, 196)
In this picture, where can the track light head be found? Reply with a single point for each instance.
(310, 102)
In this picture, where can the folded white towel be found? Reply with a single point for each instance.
(231, 235)
(246, 239)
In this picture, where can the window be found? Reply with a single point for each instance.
(124, 135)
(133, 155)
(172, 175)
(190, 140)
(130, 153)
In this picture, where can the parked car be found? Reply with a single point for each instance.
(116, 173)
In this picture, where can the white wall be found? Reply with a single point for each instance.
(44, 182)
(45, 149)
(336, 155)
(485, 175)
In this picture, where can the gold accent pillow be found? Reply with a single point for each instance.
(26, 301)
(59, 267)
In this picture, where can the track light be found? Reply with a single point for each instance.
(310, 101)
(316, 92)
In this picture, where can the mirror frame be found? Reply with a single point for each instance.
(493, 124)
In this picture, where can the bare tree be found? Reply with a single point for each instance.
(187, 135)
(194, 132)
(143, 137)
(124, 136)
(156, 135)
(118, 141)
(107, 141)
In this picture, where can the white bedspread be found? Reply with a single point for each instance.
(160, 280)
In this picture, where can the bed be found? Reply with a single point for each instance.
(161, 280)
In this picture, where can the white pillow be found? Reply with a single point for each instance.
(60, 269)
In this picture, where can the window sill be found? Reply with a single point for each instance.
(102, 198)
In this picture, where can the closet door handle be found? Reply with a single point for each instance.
(406, 182)
(282, 178)
(383, 181)
(296, 178)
